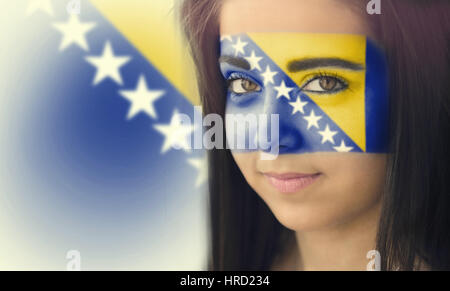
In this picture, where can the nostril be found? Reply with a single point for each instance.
(289, 140)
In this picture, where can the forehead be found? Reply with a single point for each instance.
(285, 47)
(309, 16)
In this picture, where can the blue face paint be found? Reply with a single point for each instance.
(329, 91)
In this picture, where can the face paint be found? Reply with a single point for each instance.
(329, 90)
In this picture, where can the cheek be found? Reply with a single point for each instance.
(351, 188)
(361, 176)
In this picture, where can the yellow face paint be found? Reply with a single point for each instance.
(339, 77)
(346, 107)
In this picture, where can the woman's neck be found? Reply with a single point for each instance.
(341, 247)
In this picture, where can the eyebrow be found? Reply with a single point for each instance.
(235, 61)
(306, 64)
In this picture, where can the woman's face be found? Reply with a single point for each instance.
(339, 186)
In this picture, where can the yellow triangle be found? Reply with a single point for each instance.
(153, 29)
(345, 108)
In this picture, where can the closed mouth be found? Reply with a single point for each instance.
(291, 182)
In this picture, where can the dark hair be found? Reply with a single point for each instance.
(415, 218)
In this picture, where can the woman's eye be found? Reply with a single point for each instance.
(241, 86)
(324, 84)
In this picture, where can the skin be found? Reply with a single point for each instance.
(335, 218)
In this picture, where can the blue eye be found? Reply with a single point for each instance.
(240, 84)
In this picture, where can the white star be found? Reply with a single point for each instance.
(298, 105)
(202, 168)
(327, 135)
(268, 75)
(226, 37)
(108, 65)
(142, 99)
(43, 5)
(74, 32)
(312, 119)
(239, 47)
(254, 61)
(283, 91)
(343, 148)
(175, 134)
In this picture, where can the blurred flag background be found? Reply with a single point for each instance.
(88, 105)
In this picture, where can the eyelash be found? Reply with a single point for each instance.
(322, 74)
(236, 76)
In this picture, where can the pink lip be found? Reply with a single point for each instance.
(290, 182)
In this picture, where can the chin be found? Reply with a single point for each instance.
(304, 217)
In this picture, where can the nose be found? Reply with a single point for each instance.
(288, 137)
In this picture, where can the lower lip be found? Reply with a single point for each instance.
(291, 183)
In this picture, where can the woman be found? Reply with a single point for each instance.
(372, 175)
